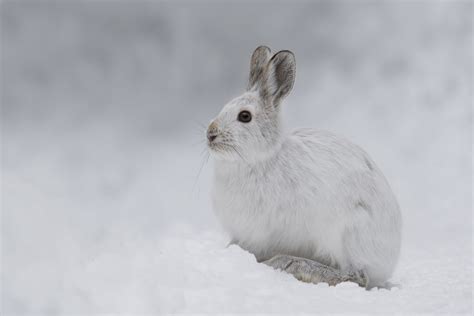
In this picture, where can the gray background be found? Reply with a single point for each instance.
(104, 106)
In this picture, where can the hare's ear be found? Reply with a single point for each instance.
(279, 77)
(260, 58)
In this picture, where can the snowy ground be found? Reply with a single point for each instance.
(141, 241)
(100, 215)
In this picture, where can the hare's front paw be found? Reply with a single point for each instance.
(310, 271)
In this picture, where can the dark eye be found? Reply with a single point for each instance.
(245, 116)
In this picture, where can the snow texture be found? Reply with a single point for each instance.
(105, 190)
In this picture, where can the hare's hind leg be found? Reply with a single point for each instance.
(310, 271)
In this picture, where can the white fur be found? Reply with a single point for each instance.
(309, 194)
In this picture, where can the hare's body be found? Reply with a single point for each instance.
(310, 203)
(331, 205)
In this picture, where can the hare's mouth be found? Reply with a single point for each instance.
(222, 148)
(219, 146)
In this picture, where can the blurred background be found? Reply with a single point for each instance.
(104, 106)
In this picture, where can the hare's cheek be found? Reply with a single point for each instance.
(244, 135)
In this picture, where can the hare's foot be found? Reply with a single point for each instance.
(310, 271)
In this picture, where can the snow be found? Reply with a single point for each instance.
(105, 206)
(70, 255)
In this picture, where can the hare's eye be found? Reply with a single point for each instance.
(245, 116)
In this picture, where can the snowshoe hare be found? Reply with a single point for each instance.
(310, 203)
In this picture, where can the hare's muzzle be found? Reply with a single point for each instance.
(212, 132)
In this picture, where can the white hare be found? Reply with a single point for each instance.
(309, 202)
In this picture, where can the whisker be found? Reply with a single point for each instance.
(238, 153)
(200, 142)
(203, 162)
(204, 150)
(200, 133)
(199, 123)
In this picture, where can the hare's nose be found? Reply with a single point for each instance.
(211, 137)
(212, 132)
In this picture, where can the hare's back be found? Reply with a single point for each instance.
(331, 151)
(340, 171)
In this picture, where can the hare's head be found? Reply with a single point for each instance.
(248, 127)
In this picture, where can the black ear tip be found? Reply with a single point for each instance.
(284, 53)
